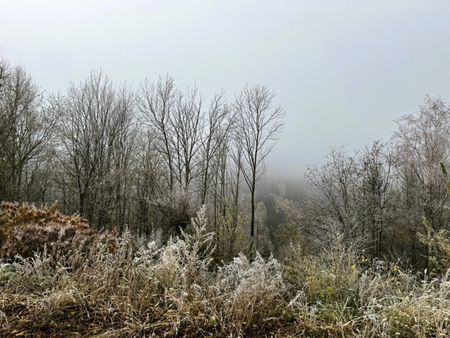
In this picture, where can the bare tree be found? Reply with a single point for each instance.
(25, 129)
(258, 126)
(355, 193)
(376, 179)
(422, 145)
(187, 124)
(157, 105)
(219, 122)
(148, 184)
(3, 76)
(97, 134)
(337, 183)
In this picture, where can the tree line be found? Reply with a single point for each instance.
(144, 158)
(147, 158)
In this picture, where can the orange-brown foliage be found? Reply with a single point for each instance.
(25, 229)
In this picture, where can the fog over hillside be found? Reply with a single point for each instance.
(343, 71)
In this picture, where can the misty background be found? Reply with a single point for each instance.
(344, 72)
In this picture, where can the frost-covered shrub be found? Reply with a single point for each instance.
(328, 277)
(253, 293)
(397, 304)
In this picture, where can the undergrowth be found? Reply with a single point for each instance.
(117, 289)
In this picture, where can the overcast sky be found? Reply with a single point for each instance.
(343, 70)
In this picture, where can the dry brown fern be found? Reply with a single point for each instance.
(26, 229)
